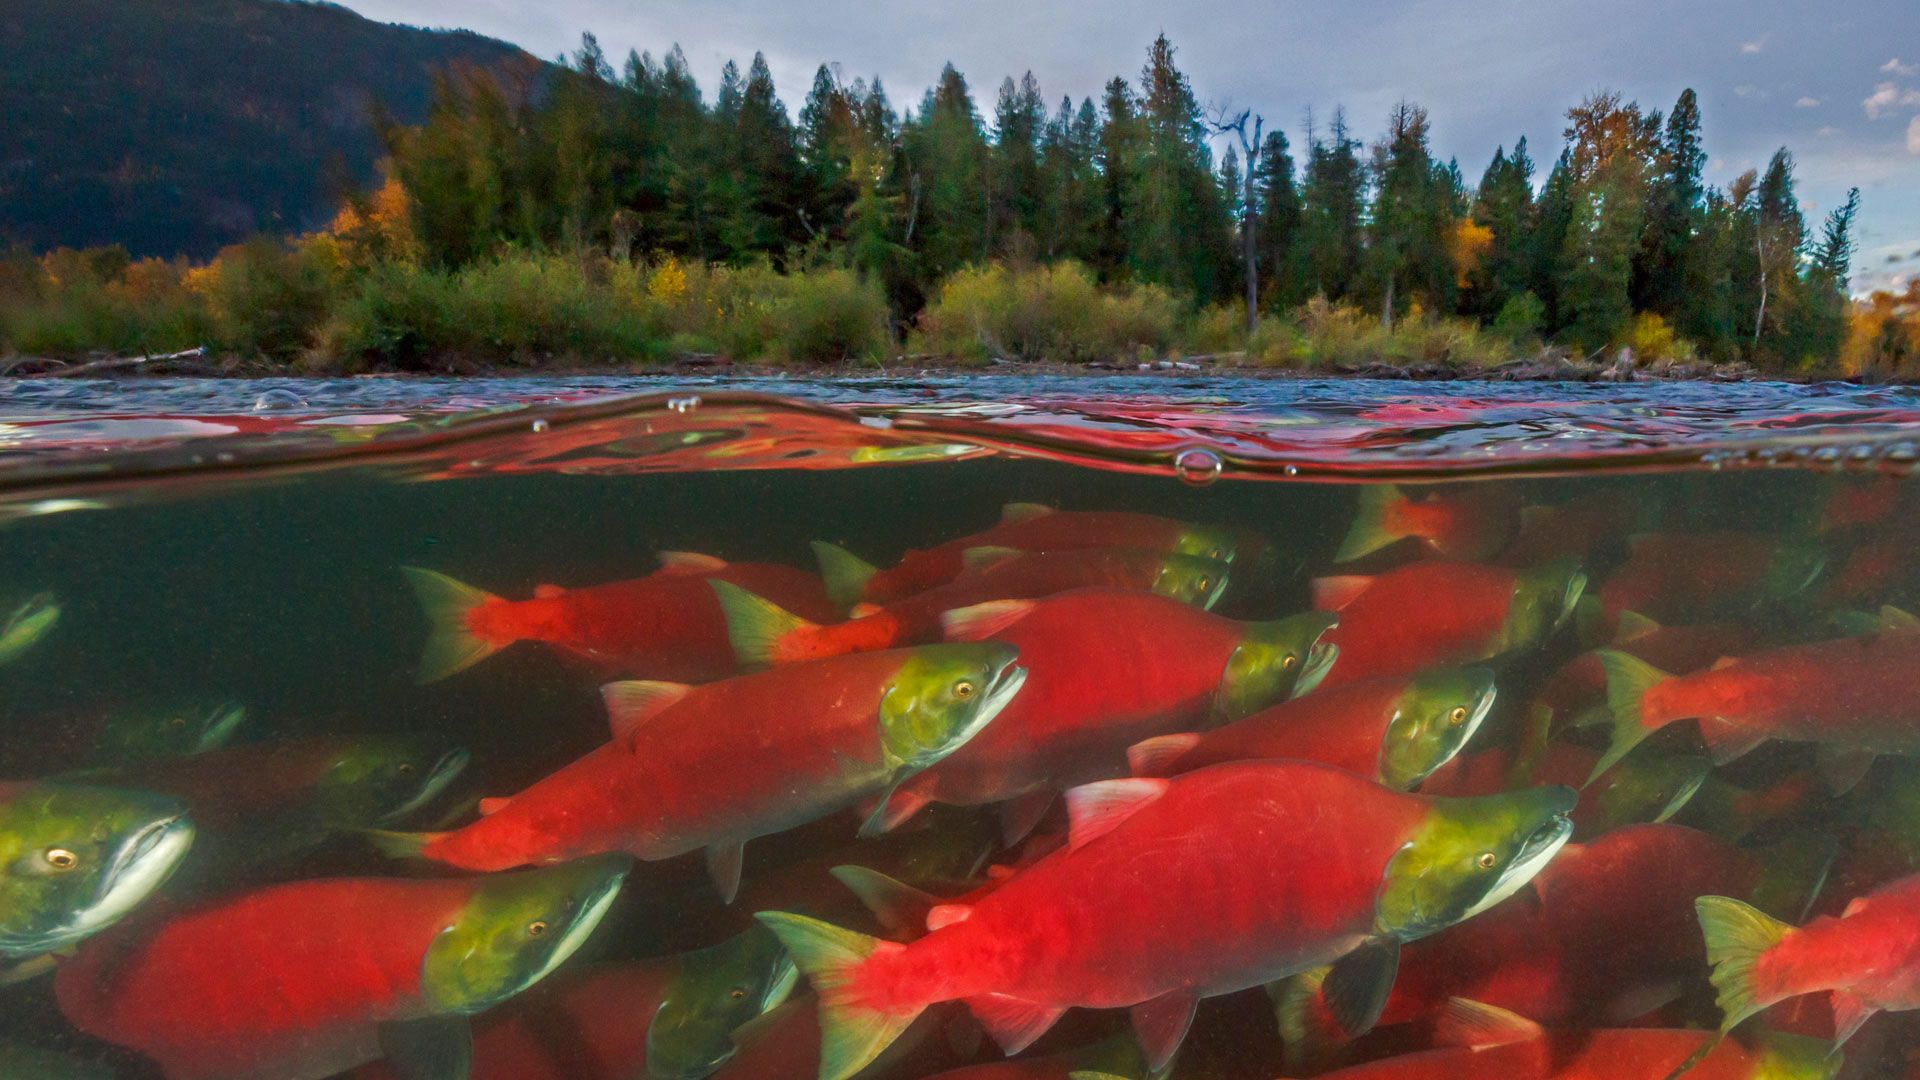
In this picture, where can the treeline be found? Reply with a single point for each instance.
(1623, 223)
(588, 215)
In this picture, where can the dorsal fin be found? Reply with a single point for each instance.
(1630, 625)
(1023, 511)
(548, 592)
(863, 610)
(690, 562)
(1334, 593)
(980, 558)
(982, 621)
(1855, 906)
(1893, 618)
(1723, 662)
(1093, 810)
(1155, 756)
(492, 806)
(631, 704)
(1476, 1026)
(940, 915)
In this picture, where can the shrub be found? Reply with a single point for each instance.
(264, 298)
(1652, 339)
(1054, 312)
(72, 302)
(1521, 317)
(831, 315)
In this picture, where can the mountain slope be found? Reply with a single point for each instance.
(177, 126)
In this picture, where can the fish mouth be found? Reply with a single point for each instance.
(451, 764)
(1320, 657)
(221, 724)
(1006, 683)
(142, 863)
(1539, 849)
(592, 910)
(1480, 710)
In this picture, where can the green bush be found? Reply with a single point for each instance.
(1521, 317)
(72, 302)
(831, 315)
(1054, 312)
(265, 298)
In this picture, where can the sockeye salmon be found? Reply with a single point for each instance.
(1170, 891)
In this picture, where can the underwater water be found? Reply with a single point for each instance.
(979, 727)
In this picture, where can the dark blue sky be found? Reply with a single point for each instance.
(1837, 82)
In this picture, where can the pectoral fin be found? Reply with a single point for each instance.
(1161, 1025)
(1356, 989)
(1018, 816)
(437, 1048)
(1842, 767)
(723, 866)
(1013, 1022)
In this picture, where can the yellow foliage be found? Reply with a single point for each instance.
(378, 229)
(1471, 242)
(1883, 333)
(668, 282)
(1651, 338)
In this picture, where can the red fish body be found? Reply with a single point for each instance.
(1467, 524)
(667, 625)
(1694, 577)
(1027, 529)
(1678, 649)
(1222, 905)
(1422, 615)
(1572, 529)
(1341, 727)
(1607, 1054)
(1868, 958)
(1858, 693)
(1016, 575)
(714, 766)
(285, 981)
(1109, 668)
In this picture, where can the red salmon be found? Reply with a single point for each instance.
(1467, 524)
(667, 625)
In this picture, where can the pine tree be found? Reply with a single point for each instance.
(1674, 205)
(1503, 206)
(1121, 139)
(1412, 220)
(1778, 232)
(1019, 120)
(1327, 255)
(1277, 218)
(1069, 214)
(1175, 226)
(946, 151)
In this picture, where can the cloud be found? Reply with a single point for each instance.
(1913, 136)
(1895, 67)
(1754, 47)
(1828, 132)
(1886, 97)
(1747, 91)
(1807, 103)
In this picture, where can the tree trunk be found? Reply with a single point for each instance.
(1249, 245)
(1760, 316)
(1386, 307)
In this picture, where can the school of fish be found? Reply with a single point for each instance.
(1509, 788)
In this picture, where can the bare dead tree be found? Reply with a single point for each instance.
(1222, 122)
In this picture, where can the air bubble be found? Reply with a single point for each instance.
(684, 404)
(1291, 470)
(278, 398)
(540, 427)
(1198, 466)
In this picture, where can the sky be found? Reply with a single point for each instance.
(1838, 83)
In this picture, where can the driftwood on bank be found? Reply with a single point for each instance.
(47, 367)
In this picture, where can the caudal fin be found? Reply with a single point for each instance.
(400, 845)
(1370, 531)
(852, 1031)
(844, 573)
(451, 645)
(1738, 935)
(1628, 679)
(760, 630)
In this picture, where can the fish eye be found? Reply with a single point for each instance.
(1486, 860)
(1204, 583)
(1288, 661)
(963, 689)
(537, 928)
(61, 859)
(177, 722)
(1458, 715)
(405, 768)
(738, 993)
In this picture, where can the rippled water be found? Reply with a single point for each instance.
(1259, 702)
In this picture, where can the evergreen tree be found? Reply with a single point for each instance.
(947, 151)
(1674, 204)
(1779, 230)
(1121, 139)
(1503, 206)
(1327, 255)
(1176, 228)
(1412, 219)
(1019, 120)
(1277, 217)
(1069, 214)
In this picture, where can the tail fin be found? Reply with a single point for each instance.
(1737, 936)
(845, 573)
(451, 646)
(756, 627)
(1628, 678)
(1370, 532)
(1311, 1037)
(852, 1031)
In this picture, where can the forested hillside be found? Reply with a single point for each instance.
(178, 126)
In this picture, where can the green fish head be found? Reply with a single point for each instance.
(941, 697)
(29, 622)
(1433, 719)
(515, 929)
(1646, 787)
(75, 859)
(1192, 579)
(378, 781)
(716, 990)
(1470, 854)
(1206, 541)
(150, 734)
(1275, 661)
(1543, 600)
